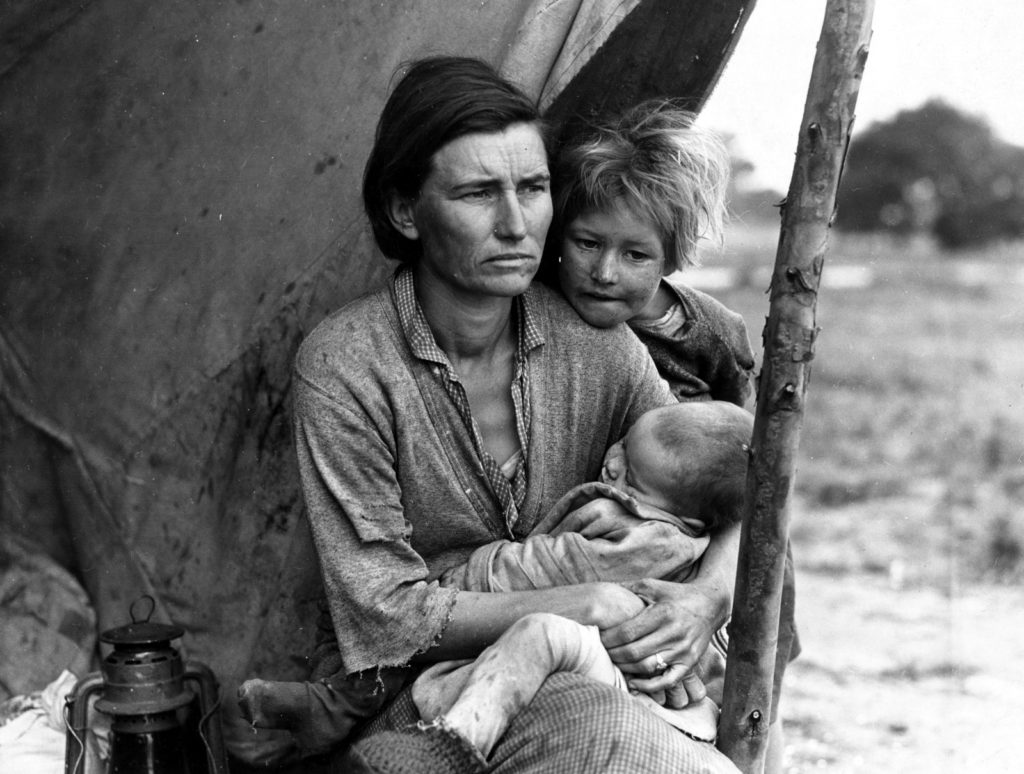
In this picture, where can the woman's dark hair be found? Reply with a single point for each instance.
(437, 100)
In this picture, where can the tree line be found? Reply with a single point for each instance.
(936, 170)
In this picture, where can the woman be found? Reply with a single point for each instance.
(453, 408)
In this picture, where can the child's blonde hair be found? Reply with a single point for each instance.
(656, 161)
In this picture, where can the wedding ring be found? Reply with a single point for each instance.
(659, 664)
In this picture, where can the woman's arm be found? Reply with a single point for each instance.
(600, 540)
(384, 610)
(479, 618)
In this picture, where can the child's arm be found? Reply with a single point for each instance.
(731, 355)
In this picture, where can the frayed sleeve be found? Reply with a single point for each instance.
(384, 610)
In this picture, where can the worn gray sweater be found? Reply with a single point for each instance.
(702, 349)
(394, 489)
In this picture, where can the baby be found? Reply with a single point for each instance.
(680, 471)
(675, 477)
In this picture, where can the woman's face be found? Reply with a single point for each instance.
(611, 264)
(483, 212)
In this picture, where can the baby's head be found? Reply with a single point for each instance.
(689, 459)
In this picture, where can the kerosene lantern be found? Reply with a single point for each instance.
(159, 724)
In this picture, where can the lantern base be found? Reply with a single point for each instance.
(148, 744)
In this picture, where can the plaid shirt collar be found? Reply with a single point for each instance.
(509, 494)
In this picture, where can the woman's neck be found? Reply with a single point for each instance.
(465, 326)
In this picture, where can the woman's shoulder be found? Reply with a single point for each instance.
(361, 331)
(565, 328)
(612, 361)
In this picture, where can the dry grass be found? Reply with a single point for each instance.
(907, 529)
(917, 386)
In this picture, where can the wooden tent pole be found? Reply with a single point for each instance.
(789, 337)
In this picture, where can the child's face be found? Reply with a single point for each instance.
(612, 262)
(638, 465)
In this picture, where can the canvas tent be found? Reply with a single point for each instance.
(179, 205)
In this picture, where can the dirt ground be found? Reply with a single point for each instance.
(899, 677)
(907, 525)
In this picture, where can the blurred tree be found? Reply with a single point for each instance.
(934, 169)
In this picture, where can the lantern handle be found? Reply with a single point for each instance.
(152, 608)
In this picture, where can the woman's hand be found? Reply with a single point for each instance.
(663, 642)
(596, 519)
(674, 631)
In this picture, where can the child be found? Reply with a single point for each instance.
(676, 476)
(682, 468)
(632, 200)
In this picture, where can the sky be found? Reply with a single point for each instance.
(971, 54)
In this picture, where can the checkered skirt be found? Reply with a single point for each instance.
(574, 725)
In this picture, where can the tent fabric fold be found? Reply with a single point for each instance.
(179, 205)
